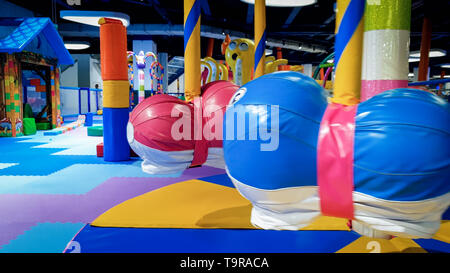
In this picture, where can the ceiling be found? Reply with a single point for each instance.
(312, 25)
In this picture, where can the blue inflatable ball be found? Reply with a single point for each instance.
(402, 146)
(300, 103)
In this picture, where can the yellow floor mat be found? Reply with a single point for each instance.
(370, 245)
(193, 204)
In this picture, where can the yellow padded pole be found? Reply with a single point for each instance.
(192, 73)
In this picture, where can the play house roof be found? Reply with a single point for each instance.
(36, 35)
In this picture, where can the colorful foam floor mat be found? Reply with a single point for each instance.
(57, 196)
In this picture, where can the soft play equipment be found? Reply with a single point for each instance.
(43, 126)
(192, 50)
(141, 58)
(213, 69)
(272, 64)
(386, 47)
(383, 163)
(157, 74)
(223, 72)
(239, 56)
(206, 72)
(95, 131)
(150, 135)
(116, 92)
(260, 37)
(29, 126)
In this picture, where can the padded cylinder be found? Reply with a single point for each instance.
(113, 50)
(116, 147)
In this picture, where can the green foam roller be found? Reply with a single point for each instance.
(29, 126)
(43, 126)
(95, 131)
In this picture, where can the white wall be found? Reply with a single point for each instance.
(96, 79)
(73, 77)
(69, 98)
(173, 87)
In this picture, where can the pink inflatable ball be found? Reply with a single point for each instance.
(215, 98)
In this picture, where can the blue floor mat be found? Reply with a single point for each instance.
(43, 238)
(75, 179)
(39, 161)
(433, 246)
(220, 179)
(142, 240)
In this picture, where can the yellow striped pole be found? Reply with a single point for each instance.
(260, 37)
(348, 51)
(192, 74)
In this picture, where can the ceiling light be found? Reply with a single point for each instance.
(445, 65)
(77, 45)
(439, 76)
(269, 51)
(433, 53)
(410, 74)
(412, 60)
(91, 17)
(284, 3)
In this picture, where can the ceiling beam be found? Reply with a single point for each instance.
(80, 30)
(162, 12)
(205, 7)
(329, 20)
(291, 17)
(250, 12)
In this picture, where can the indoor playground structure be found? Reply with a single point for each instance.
(262, 154)
(29, 89)
(156, 71)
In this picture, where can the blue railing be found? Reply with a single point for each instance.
(431, 82)
(88, 90)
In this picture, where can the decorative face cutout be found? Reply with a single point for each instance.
(240, 58)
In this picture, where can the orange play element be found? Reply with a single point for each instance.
(322, 74)
(284, 67)
(41, 88)
(225, 43)
(113, 48)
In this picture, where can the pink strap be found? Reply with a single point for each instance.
(335, 160)
(201, 145)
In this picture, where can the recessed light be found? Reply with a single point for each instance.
(433, 53)
(284, 3)
(77, 45)
(91, 17)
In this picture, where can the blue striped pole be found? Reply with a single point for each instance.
(260, 37)
(192, 74)
(348, 51)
